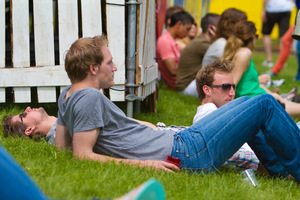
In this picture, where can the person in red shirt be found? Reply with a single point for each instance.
(167, 50)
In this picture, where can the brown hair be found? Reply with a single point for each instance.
(205, 75)
(83, 53)
(17, 129)
(227, 21)
(243, 35)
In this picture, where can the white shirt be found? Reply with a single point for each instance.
(277, 6)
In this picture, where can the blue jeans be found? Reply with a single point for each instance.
(207, 144)
(16, 184)
(267, 156)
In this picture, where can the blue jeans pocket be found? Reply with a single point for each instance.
(190, 148)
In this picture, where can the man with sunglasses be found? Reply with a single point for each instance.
(216, 88)
(33, 122)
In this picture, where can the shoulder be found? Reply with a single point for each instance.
(90, 92)
(218, 44)
(165, 38)
(89, 96)
(210, 106)
(244, 52)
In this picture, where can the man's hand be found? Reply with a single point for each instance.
(160, 165)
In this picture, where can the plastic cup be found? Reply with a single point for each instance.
(249, 177)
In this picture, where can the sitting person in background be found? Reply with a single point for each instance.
(167, 50)
(191, 57)
(193, 33)
(239, 49)
(224, 29)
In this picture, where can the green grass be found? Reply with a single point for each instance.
(61, 176)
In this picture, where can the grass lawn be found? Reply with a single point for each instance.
(61, 176)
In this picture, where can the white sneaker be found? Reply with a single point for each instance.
(275, 83)
(267, 64)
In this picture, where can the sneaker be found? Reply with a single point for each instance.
(268, 84)
(277, 83)
(151, 190)
(291, 95)
(267, 64)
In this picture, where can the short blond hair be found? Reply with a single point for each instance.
(205, 75)
(83, 53)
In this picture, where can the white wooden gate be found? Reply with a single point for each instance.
(75, 18)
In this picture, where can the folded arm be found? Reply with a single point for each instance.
(63, 139)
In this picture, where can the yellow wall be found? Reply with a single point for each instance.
(253, 8)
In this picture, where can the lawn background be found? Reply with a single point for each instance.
(61, 176)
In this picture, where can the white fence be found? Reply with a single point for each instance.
(52, 26)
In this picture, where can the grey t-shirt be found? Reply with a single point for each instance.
(119, 136)
(215, 51)
(50, 137)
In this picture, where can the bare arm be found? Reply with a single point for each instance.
(83, 143)
(62, 139)
(241, 62)
(171, 65)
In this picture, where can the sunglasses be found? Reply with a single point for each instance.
(22, 115)
(225, 87)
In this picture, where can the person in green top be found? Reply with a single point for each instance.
(239, 49)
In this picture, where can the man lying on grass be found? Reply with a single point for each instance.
(96, 129)
(34, 123)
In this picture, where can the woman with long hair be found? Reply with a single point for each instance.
(224, 30)
(239, 49)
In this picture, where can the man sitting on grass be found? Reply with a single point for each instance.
(216, 88)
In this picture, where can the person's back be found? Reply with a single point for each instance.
(214, 52)
(190, 61)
